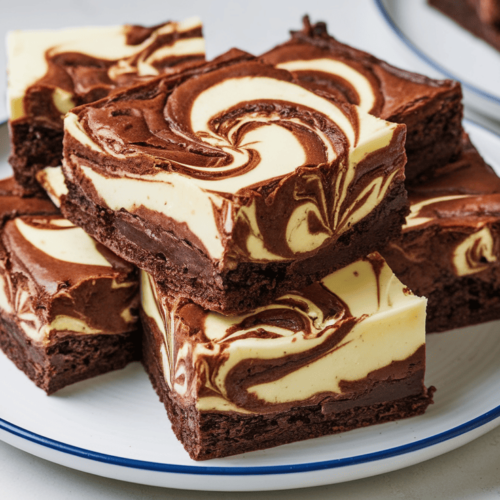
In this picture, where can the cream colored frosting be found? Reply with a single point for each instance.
(70, 244)
(52, 180)
(28, 64)
(475, 253)
(355, 78)
(390, 327)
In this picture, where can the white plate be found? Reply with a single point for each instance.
(449, 50)
(114, 426)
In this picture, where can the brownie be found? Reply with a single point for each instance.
(68, 306)
(449, 250)
(231, 184)
(51, 71)
(480, 17)
(343, 353)
(431, 109)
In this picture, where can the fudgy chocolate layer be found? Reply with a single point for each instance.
(468, 14)
(207, 435)
(251, 284)
(34, 146)
(67, 358)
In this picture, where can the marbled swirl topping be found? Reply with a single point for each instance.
(320, 62)
(50, 72)
(302, 348)
(255, 166)
(54, 277)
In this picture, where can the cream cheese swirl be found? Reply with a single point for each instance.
(302, 346)
(256, 167)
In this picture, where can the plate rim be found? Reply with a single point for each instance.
(427, 59)
(268, 470)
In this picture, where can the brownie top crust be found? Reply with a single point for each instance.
(463, 196)
(50, 72)
(236, 158)
(322, 63)
(54, 277)
(332, 339)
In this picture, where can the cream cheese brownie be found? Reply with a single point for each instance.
(449, 251)
(480, 17)
(430, 109)
(51, 71)
(343, 353)
(233, 185)
(68, 306)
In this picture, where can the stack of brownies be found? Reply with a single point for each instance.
(256, 196)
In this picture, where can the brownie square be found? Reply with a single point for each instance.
(431, 109)
(449, 250)
(68, 306)
(51, 71)
(231, 184)
(343, 353)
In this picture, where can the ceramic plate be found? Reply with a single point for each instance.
(114, 425)
(449, 50)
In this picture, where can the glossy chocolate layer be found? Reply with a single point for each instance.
(50, 72)
(450, 245)
(55, 278)
(336, 339)
(321, 63)
(235, 159)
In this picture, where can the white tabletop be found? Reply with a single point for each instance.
(472, 471)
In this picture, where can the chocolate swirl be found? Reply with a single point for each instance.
(210, 357)
(320, 62)
(53, 276)
(282, 169)
(50, 72)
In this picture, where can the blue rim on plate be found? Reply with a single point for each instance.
(459, 430)
(385, 14)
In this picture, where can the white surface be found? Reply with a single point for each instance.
(451, 51)
(469, 472)
(118, 414)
